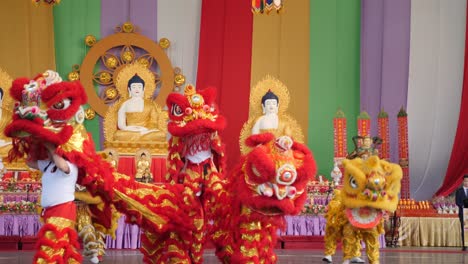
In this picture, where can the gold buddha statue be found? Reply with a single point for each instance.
(112, 156)
(135, 121)
(269, 101)
(143, 167)
(6, 106)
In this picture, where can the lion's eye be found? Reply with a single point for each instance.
(352, 182)
(255, 171)
(176, 110)
(62, 105)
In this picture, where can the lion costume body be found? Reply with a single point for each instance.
(268, 184)
(49, 110)
(370, 188)
(179, 216)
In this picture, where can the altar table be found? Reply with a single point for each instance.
(19, 224)
(430, 232)
(312, 225)
(128, 235)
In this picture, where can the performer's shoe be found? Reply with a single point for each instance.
(327, 259)
(357, 260)
(94, 260)
(463, 248)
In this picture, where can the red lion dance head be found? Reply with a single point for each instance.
(274, 175)
(194, 124)
(49, 110)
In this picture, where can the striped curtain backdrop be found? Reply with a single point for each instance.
(357, 55)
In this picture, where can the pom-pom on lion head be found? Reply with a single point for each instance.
(272, 178)
(370, 186)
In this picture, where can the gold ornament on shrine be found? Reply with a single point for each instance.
(164, 43)
(90, 114)
(90, 40)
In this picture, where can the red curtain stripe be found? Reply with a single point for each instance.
(458, 164)
(225, 62)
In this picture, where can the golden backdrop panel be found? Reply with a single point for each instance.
(27, 46)
(265, 47)
(281, 48)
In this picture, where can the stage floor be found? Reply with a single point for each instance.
(285, 256)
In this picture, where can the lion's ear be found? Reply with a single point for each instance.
(209, 94)
(259, 139)
(17, 87)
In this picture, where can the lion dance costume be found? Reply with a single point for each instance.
(370, 187)
(268, 184)
(177, 217)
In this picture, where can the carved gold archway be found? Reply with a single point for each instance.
(112, 54)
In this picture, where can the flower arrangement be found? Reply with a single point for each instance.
(320, 187)
(319, 193)
(314, 209)
(20, 186)
(445, 205)
(18, 207)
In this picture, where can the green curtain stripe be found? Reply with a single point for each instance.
(73, 20)
(334, 74)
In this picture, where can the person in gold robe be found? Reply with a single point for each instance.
(137, 116)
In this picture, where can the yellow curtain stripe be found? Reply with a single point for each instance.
(27, 46)
(280, 47)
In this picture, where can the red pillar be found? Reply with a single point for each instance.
(340, 142)
(384, 134)
(363, 125)
(403, 152)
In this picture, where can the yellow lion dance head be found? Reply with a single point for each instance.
(370, 187)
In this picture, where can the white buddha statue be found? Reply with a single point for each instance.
(270, 121)
(268, 104)
(137, 116)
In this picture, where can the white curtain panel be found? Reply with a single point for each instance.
(179, 21)
(434, 89)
